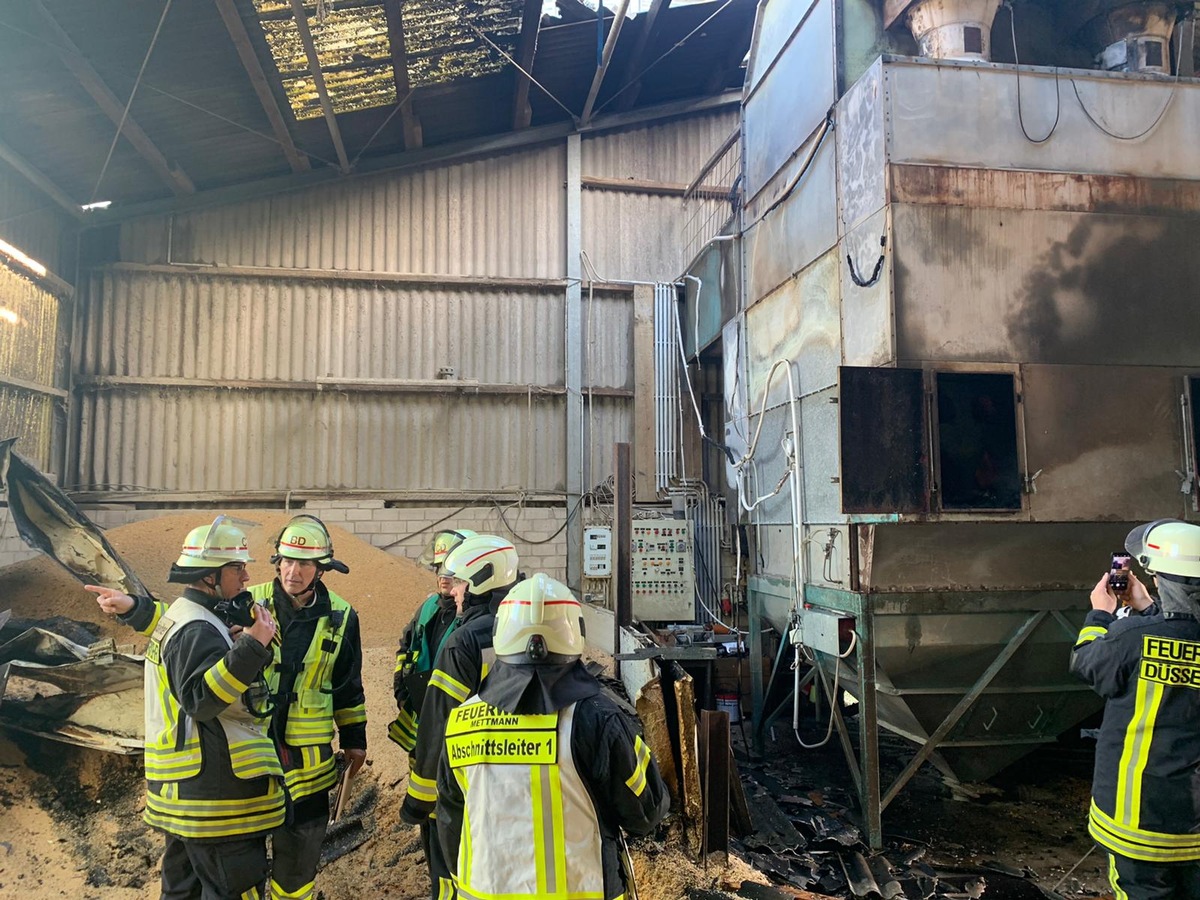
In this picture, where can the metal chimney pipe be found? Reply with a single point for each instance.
(953, 29)
(1130, 36)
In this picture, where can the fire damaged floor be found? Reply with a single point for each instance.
(1017, 837)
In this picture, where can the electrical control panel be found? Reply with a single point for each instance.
(597, 552)
(664, 570)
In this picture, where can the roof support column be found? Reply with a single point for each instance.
(573, 337)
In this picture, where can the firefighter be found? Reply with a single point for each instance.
(316, 686)
(214, 784)
(433, 622)
(313, 682)
(484, 567)
(1145, 808)
(540, 771)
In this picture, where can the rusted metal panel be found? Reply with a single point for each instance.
(861, 161)
(941, 112)
(1048, 287)
(1062, 191)
(1106, 440)
(777, 113)
(790, 237)
(496, 216)
(867, 312)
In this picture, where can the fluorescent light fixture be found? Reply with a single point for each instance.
(99, 204)
(27, 261)
(7, 315)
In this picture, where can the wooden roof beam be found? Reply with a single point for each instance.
(314, 67)
(258, 79)
(610, 44)
(631, 79)
(173, 176)
(531, 20)
(413, 137)
(35, 177)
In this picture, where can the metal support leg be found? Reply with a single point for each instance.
(868, 732)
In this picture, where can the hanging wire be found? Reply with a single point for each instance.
(1130, 137)
(1012, 27)
(545, 90)
(129, 102)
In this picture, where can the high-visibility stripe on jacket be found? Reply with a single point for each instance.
(1145, 794)
(417, 654)
(190, 794)
(311, 708)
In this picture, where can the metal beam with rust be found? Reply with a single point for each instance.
(531, 20)
(173, 176)
(413, 138)
(631, 80)
(314, 67)
(262, 88)
(610, 44)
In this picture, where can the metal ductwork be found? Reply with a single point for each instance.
(953, 29)
(1125, 36)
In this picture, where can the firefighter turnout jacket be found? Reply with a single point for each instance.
(434, 621)
(531, 805)
(211, 769)
(458, 671)
(1146, 790)
(315, 681)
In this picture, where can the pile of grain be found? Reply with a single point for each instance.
(385, 589)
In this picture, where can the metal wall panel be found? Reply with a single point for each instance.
(29, 339)
(497, 216)
(634, 237)
(35, 225)
(861, 158)
(1106, 440)
(607, 336)
(224, 441)
(671, 152)
(29, 418)
(967, 114)
(867, 326)
(790, 237)
(779, 114)
(198, 326)
(1042, 286)
(819, 441)
(607, 421)
(777, 19)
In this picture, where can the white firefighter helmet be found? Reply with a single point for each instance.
(486, 562)
(1167, 547)
(441, 544)
(539, 621)
(306, 537)
(219, 544)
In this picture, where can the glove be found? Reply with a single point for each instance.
(412, 812)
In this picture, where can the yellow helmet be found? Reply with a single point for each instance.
(441, 544)
(539, 621)
(306, 537)
(1167, 547)
(212, 546)
(484, 561)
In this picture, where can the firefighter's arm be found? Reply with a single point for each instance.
(450, 811)
(349, 701)
(139, 613)
(1100, 657)
(454, 679)
(404, 659)
(206, 675)
(627, 775)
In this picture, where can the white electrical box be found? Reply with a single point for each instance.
(820, 630)
(664, 570)
(597, 552)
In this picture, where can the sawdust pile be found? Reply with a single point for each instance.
(385, 589)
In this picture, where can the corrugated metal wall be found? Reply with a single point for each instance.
(29, 342)
(34, 224)
(147, 330)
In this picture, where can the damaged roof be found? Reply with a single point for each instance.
(228, 92)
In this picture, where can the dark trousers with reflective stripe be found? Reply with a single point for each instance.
(214, 870)
(441, 886)
(296, 847)
(1133, 879)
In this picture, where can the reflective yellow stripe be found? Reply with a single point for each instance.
(1114, 879)
(450, 685)
(422, 789)
(637, 781)
(350, 716)
(312, 776)
(1139, 735)
(445, 889)
(1137, 843)
(251, 894)
(404, 730)
(1090, 633)
(159, 609)
(301, 893)
(222, 683)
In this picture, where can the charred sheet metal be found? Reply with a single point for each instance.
(861, 150)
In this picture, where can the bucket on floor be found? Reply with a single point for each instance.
(728, 703)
